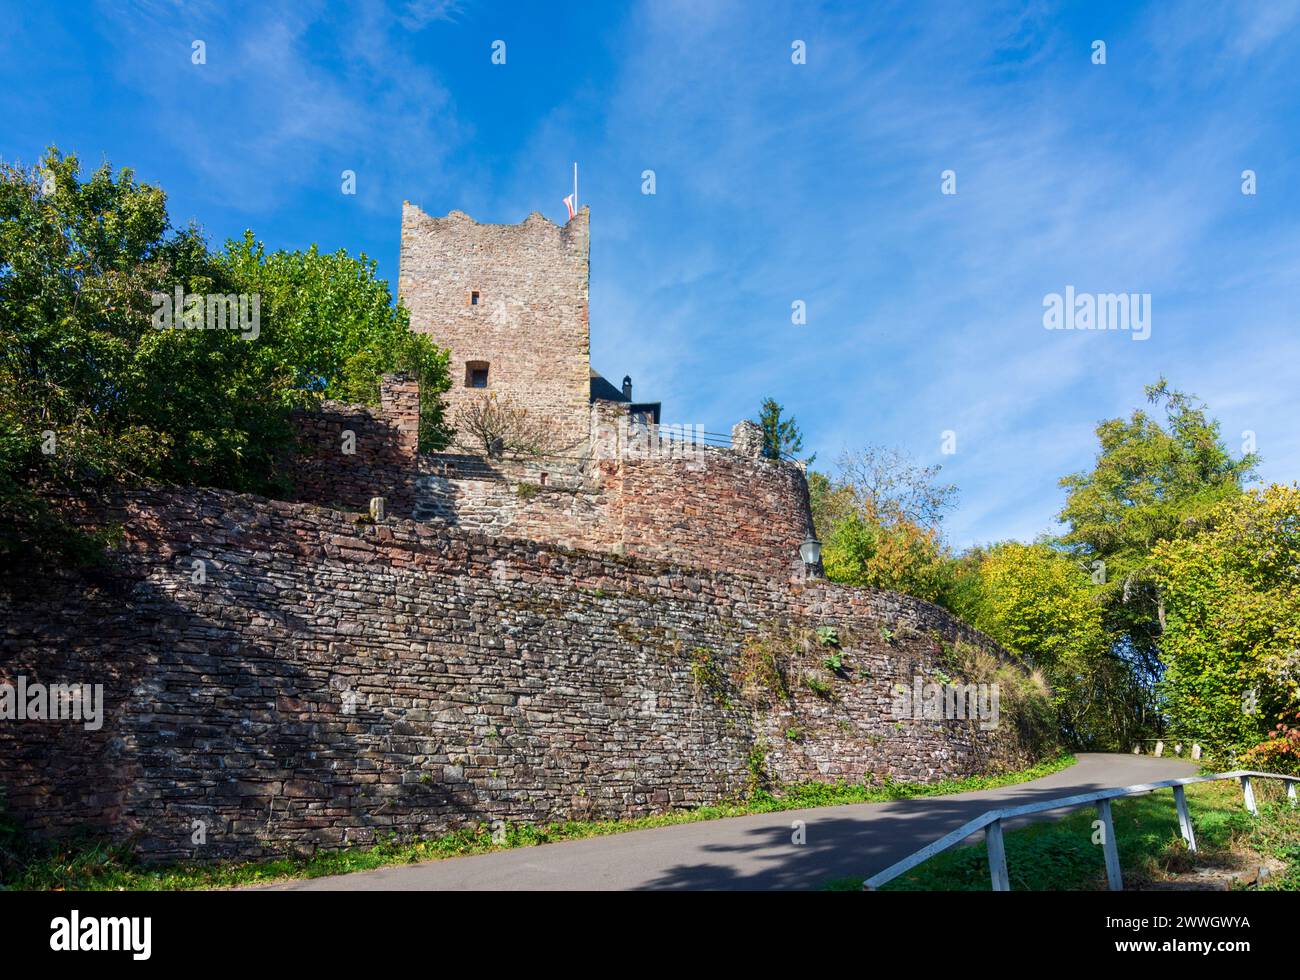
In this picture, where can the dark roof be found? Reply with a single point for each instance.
(602, 390)
(639, 408)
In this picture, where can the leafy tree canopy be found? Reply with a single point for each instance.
(335, 329)
(96, 393)
(1232, 638)
(1036, 600)
(878, 521)
(93, 392)
(1154, 480)
(868, 548)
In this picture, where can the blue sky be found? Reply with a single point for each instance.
(775, 182)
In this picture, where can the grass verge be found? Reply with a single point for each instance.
(95, 865)
(1060, 855)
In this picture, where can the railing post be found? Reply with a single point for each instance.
(991, 823)
(1184, 818)
(1248, 792)
(997, 857)
(1110, 846)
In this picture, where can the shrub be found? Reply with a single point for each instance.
(1280, 752)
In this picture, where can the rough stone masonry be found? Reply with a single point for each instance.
(726, 509)
(287, 676)
(328, 679)
(510, 302)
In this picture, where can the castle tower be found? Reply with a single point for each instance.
(510, 304)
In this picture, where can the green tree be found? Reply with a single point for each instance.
(830, 502)
(964, 590)
(878, 521)
(333, 324)
(1036, 601)
(1153, 481)
(1232, 637)
(886, 551)
(781, 436)
(93, 393)
(98, 394)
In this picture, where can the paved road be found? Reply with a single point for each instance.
(753, 852)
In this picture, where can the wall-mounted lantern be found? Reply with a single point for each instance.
(811, 553)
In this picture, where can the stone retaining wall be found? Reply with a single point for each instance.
(701, 506)
(326, 680)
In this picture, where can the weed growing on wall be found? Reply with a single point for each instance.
(764, 667)
(818, 686)
(708, 677)
(1025, 699)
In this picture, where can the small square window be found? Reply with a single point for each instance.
(476, 374)
(473, 298)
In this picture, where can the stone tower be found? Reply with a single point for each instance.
(510, 304)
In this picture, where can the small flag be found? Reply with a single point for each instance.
(568, 203)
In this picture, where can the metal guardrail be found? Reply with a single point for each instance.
(991, 824)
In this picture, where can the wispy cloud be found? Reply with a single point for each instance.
(289, 97)
(925, 310)
(420, 13)
(779, 182)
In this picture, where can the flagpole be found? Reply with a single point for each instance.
(575, 185)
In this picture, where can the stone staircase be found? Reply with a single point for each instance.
(436, 490)
(461, 467)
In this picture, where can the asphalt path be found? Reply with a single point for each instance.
(751, 852)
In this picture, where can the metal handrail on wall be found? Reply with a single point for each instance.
(991, 824)
(689, 434)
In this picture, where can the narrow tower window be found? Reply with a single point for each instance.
(473, 298)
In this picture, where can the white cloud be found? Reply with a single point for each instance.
(924, 310)
(280, 105)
